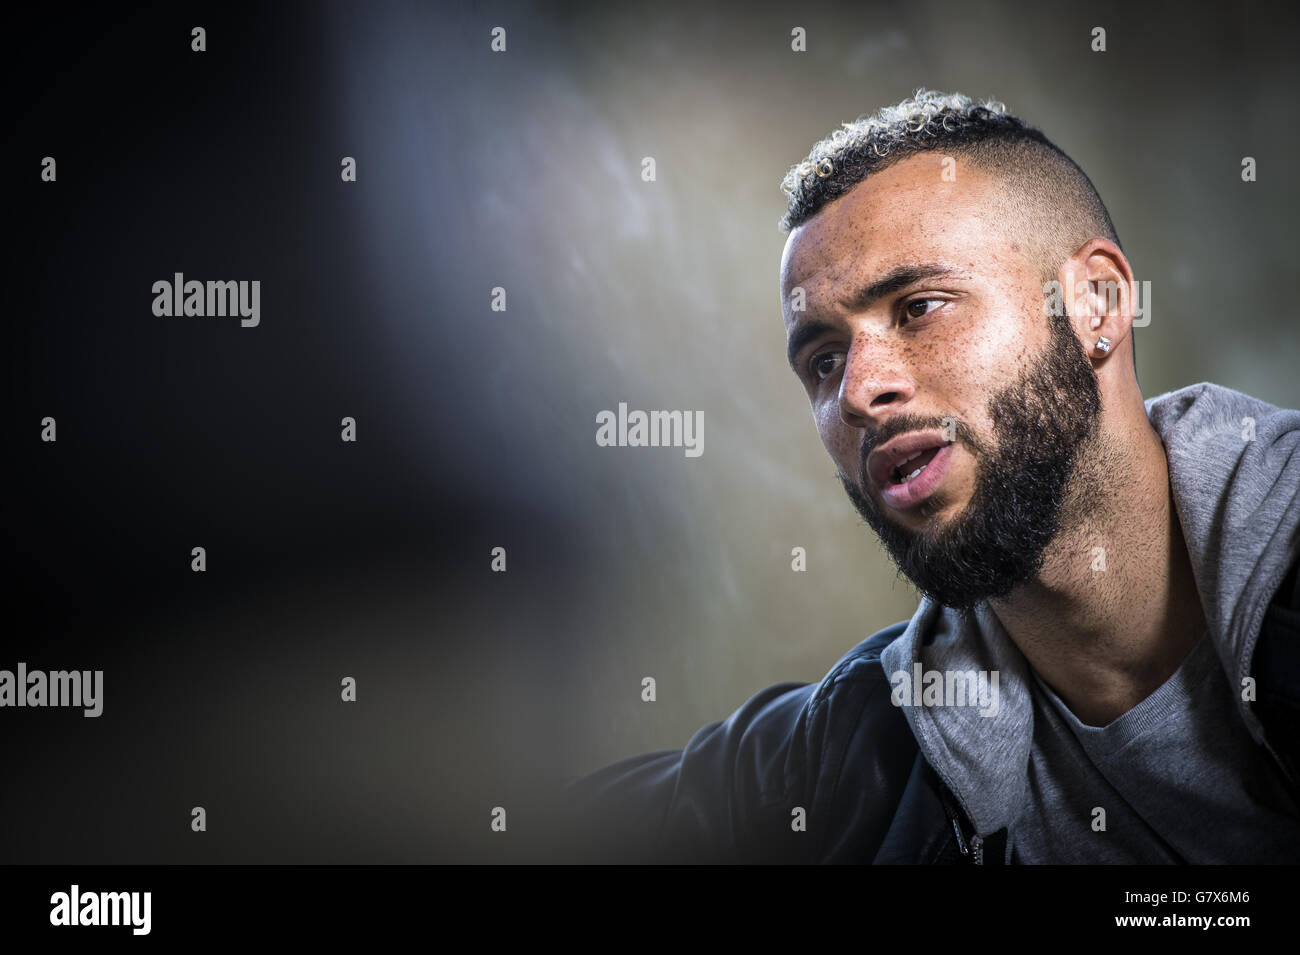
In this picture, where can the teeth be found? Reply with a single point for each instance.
(900, 479)
(898, 468)
(896, 473)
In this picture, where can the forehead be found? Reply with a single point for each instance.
(909, 212)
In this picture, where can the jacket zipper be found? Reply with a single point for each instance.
(976, 848)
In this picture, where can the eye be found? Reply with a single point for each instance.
(920, 307)
(824, 364)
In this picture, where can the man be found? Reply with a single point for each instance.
(1103, 667)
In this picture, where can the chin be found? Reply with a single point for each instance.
(934, 512)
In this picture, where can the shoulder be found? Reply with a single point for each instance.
(799, 772)
(1234, 467)
(861, 750)
(793, 740)
(861, 665)
(1206, 418)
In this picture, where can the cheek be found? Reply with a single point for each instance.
(983, 355)
(841, 441)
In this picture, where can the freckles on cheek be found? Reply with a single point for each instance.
(966, 364)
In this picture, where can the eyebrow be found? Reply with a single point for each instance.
(863, 298)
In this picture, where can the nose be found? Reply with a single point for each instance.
(875, 383)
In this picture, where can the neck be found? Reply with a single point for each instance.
(1114, 610)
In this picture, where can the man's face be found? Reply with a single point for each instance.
(924, 347)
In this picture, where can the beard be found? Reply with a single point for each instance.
(1044, 423)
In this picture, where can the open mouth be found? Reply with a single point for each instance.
(911, 466)
(909, 469)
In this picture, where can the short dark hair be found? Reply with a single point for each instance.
(1050, 195)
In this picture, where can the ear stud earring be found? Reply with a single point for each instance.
(1103, 345)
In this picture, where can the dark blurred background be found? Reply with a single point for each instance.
(476, 428)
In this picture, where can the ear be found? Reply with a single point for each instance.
(1098, 283)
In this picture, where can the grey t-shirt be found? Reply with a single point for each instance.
(1178, 777)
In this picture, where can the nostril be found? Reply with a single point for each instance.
(887, 398)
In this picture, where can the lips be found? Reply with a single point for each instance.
(901, 457)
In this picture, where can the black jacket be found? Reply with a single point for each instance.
(841, 752)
